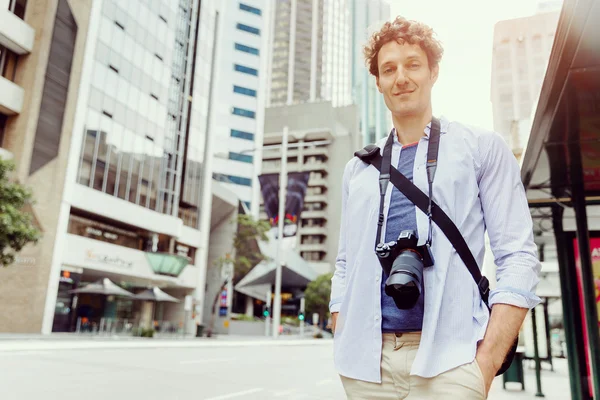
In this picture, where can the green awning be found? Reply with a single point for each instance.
(167, 264)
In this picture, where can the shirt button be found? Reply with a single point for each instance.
(377, 278)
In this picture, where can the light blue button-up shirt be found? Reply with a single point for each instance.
(478, 185)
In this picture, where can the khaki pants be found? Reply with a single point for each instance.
(398, 353)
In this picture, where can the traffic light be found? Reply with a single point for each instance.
(266, 311)
(301, 316)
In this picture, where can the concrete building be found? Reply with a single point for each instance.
(318, 234)
(311, 52)
(375, 120)
(107, 119)
(242, 61)
(520, 56)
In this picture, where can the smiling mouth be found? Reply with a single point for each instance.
(405, 92)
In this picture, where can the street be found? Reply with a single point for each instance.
(211, 373)
(219, 370)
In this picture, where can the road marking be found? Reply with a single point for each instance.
(151, 344)
(324, 382)
(207, 360)
(237, 394)
(28, 353)
(286, 392)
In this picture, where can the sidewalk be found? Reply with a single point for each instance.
(555, 385)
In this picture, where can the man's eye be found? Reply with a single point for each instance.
(415, 65)
(387, 71)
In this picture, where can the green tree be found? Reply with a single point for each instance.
(317, 296)
(16, 227)
(246, 255)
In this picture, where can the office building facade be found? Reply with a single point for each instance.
(520, 56)
(242, 61)
(311, 58)
(112, 137)
(334, 132)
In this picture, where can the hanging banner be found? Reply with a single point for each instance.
(294, 200)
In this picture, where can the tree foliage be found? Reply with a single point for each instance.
(245, 249)
(246, 255)
(16, 226)
(317, 295)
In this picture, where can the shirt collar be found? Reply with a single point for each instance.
(443, 129)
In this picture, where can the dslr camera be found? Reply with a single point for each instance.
(403, 261)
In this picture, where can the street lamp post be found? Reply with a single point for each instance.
(280, 220)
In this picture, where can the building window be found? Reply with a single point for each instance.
(246, 49)
(103, 231)
(248, 204)
(248, 29)
(246, 70)
(3, 119)
(8, 63)
(243, 113)
(242, 135)
(241, 157)
(238, 180)
(250, 9)
(18, 7)
(244, 91)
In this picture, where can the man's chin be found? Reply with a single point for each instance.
(405, 112)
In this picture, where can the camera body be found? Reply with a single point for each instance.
(403, 261)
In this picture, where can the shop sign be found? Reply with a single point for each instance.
(113, 260)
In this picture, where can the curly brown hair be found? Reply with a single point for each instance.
(403, 31)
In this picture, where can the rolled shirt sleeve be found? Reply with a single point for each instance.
(338, 281)
(509, 225)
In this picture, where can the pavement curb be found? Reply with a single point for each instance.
(34, 345)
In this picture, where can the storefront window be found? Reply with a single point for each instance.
(89, 228)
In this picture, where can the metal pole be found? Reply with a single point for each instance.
(536, 356)
(583, 241)
(548, 339)
(302, 306)
(281, 218)
(268, 319)
(570, 303)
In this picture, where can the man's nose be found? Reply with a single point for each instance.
(401, 78)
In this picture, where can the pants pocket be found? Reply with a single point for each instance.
(479, 374)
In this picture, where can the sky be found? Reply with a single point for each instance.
(466, 30)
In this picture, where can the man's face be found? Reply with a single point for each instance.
(405, 78)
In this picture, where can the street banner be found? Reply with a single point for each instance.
(294, 200)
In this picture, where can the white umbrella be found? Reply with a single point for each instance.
(155, 294)
(105, 287)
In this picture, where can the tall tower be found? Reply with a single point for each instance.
(310, 52)
(242, 78)
(520, 56)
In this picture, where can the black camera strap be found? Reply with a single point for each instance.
(425, 203)
(385, 170)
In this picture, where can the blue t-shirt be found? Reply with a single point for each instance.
(401, 217)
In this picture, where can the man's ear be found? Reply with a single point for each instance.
(377, 83)
(434, 73)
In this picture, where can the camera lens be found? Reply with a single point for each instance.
(404, 282)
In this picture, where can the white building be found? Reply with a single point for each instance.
(239, 96)
(520, 56)
(112, 134)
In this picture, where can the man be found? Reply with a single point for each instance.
(447, 346)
